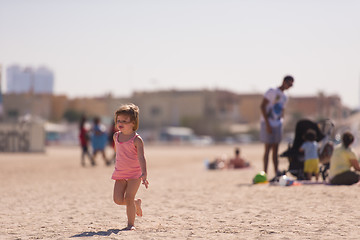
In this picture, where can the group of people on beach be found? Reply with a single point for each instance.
(130, 164)
(96, 138)
(342, 160)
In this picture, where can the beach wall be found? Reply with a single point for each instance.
(22, 137)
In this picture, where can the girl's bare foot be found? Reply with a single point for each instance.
(138, 207)
(129, 228)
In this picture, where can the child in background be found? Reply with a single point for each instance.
(99, 140)
(130, 167)
(310, 149)
(84, 142)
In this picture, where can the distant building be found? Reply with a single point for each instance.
(207, 112)
(43, 81)
(204, 111)
(29, 80)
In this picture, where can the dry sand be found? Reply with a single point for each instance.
(50, 196)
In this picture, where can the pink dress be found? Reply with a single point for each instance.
(127, 164)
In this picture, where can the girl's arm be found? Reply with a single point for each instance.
(139, 144)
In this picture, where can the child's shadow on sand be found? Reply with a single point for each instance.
(100, 233)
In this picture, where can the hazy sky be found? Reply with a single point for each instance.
(246, 46)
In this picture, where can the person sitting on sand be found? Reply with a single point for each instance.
(237, 161)
(341, 162)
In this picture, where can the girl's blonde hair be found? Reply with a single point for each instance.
(130, 110)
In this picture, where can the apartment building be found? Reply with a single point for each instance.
(29, 80)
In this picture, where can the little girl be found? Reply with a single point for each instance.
(130, 166)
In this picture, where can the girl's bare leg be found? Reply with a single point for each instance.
(119, 192)
(138, 207)
(130, 192)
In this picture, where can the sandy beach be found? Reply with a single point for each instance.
(50, 196)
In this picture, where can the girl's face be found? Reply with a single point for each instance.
(124, 124)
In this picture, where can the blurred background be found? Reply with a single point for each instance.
(197, 69)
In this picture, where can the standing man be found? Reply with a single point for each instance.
(272, 115)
